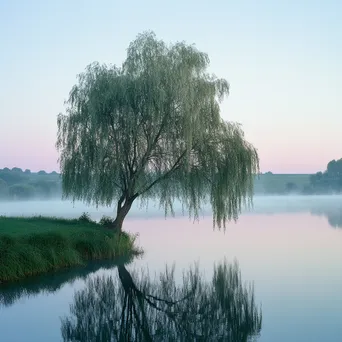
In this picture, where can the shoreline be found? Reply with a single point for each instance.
(36, 245)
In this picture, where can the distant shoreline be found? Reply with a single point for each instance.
(19, 185)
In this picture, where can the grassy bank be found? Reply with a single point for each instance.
(35, 245)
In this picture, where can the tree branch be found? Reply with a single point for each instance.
(121, 199)
(150, 147)
(175, 166)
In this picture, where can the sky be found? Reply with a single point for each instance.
(283, 60)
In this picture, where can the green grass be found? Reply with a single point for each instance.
(36, 245)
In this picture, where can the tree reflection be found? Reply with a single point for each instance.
(333, 214)
(137, 308)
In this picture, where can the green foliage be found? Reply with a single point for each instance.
(11, 177)
(3, 189)
(152, 128)
(329, 181)
(277, 184)
(18, 185)
(36, 245)
(291, 187)
(49, 186)
(136, 307)
(45, 188)
(17, 169)
(334, 168)
(21, 191)
(106, 221)
(85, 217)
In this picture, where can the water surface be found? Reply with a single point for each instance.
(289, 247)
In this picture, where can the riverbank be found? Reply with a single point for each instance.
(36, 245)
(52, 282)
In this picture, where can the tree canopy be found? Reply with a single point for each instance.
(329, 181)
(152, 129)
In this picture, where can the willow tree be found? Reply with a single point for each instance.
(152, 129)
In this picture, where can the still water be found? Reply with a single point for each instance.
(289, 248)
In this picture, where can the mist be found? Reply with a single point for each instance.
(23, 185)
(329, 206)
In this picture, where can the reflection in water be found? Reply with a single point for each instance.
(52, 282)
(334, 215)
(136, 308)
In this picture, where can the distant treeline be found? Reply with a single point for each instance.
(320, 183)
(16, 184)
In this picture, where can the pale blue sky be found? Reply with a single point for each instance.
(283, 60)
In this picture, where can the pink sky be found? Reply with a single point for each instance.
(285, 79)
(275, 158)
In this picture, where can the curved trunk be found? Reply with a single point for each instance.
(120, 216)
(122, 211)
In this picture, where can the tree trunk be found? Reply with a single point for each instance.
(121, 213)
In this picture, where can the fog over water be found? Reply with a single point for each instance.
(327, 205)
(289, 247)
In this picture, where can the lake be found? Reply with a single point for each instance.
(290, 248)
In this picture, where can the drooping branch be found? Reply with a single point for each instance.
(156, 123)
(174, 167)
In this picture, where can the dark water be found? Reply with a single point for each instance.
(290, 248)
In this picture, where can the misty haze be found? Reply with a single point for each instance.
(328, 206)
(280, 244)
(170, 171)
